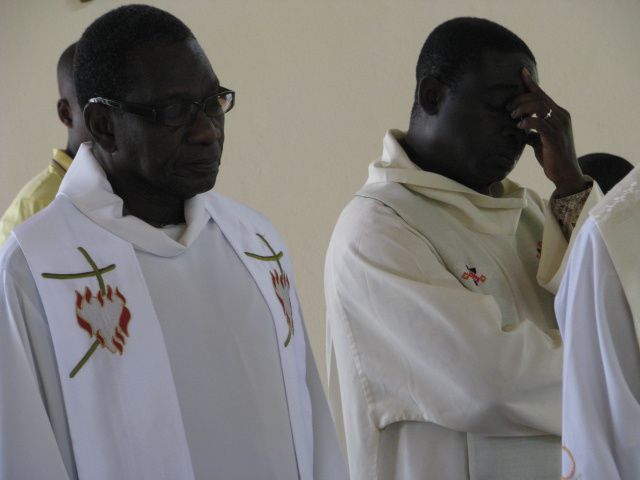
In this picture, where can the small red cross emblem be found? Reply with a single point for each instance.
(472, 273)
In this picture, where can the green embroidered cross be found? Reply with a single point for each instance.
(96, 272)
(274, 257)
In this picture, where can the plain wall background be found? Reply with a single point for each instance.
(318, 83)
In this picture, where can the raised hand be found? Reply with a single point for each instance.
(550, 134)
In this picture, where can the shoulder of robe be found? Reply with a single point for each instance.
(12, 259)
(621, 202)
(234, 211)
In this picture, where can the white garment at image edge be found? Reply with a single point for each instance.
(196, 382)
(598, 308)
(443, 352)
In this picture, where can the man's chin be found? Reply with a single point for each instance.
(490, 183)
(189, 188)
(500, 171)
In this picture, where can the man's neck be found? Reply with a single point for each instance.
(154, 210)
(415, 148)
(72, 148)
(419, 155)
(153, 207)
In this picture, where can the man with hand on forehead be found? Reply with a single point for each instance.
(444, 354)
(149, 327)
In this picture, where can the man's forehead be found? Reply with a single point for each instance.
(500, 66)
(495, 70)
(175, 70)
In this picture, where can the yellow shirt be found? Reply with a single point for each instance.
(36, 194)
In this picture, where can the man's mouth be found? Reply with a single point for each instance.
(204, 163)
(198, 167)
(509, 155)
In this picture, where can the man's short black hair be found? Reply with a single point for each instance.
(605, 168)
(455, 44)
(64, 68)
(100, 66)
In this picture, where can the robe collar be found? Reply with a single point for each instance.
(498, 214)
(88, 188)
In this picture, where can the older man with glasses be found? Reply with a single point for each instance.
(149, 327)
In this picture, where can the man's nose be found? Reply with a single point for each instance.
(204, 129)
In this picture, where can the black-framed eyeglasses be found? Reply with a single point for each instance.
(176, 114)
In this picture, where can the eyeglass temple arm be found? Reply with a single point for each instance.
(126, 107)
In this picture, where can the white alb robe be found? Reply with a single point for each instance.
(238, 414)
(598, 313)
(444, 356)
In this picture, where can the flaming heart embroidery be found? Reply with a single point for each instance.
(104, 315)
(280, 282)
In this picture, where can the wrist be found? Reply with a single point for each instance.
(571, 186)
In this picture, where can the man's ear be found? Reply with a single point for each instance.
(64, 112)
(430, 94)
(98, 120)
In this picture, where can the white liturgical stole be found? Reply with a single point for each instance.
(119, 393)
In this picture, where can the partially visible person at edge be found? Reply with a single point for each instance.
(445, 359)
(598, 310)
(41, 189)
(605, 168)
(149, 326)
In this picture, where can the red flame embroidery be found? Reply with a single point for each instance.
(105, 317)
(282, 287)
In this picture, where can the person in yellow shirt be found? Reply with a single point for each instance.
(42, 189)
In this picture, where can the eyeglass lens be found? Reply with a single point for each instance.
(181, 113)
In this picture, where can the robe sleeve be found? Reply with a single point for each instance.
(423, 347)
(601, 381)
(555, 247)
(28, 445)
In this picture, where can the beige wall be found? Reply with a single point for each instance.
(319, 82)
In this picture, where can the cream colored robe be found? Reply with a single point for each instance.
(444, 355)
